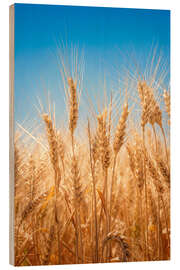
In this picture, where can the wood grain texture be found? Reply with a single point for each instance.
(11, 134)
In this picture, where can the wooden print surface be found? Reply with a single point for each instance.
(90, 128)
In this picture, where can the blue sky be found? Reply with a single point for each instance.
(102, 34)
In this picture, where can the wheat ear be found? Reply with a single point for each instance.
(104, 152)
(167, 104)
(116, 236)
(73, 105)
(73, 118)
(53, 150)
(117, 144)
(159, 188)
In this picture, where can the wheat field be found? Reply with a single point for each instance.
(101, 197)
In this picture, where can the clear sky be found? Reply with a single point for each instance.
(102, 34)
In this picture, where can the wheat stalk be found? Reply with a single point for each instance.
(92, 164)
(53, 147)
(104, 153)
(119, 138)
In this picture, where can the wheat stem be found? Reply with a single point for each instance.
(94, 194)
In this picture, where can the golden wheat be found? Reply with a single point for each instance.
(100, 198)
